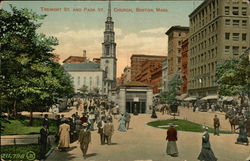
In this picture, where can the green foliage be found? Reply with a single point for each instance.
(83, 89)
(21, 127)
(182, 125)
(233, 77)
(28, 75)
(174, 84)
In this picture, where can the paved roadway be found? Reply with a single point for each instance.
(145, 143)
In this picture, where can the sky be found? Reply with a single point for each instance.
(79, 28)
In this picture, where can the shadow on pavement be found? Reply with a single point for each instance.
(91, 155)
(72, 148)
(113, 144)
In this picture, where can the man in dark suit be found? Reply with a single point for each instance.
(84, 139)
(43, 141)
(172, 138)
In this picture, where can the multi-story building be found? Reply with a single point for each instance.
(76, 59)
(164, 82)
(151, 74)
(184, 66)
(219, 30)
(138, 60)
(176, 34)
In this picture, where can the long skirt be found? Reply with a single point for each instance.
(172, 148)
(122, 127)
(207, 155)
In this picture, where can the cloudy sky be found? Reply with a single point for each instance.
(136, 32)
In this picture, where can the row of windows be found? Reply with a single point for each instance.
(204, 33)
(236, 36)
(203, 57)
(87, 81)
(235, 10)
(204, 16)
(235, 50)
(204, 69)
(236, 23)
(202, 82)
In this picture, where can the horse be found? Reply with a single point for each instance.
(233, 120)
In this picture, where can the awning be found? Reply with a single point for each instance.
(227, 98)
(211, 97)
(181, 97)
(190, 99)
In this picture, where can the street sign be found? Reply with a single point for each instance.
(136, 99)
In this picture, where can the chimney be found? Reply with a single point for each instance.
(84, 53)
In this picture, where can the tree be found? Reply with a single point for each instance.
(173, 89)
(233, 77)
(30, 78)
(84, 89)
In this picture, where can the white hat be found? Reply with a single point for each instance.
(84, 124)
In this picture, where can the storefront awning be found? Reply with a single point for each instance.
(190, 99)
(211, 97)
(181, 97)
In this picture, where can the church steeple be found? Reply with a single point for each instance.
(108, 59)
(109, 10)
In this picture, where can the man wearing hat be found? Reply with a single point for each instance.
(84, 139)
(172, 138)
(108, 131)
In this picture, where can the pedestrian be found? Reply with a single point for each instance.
(242, 138)
(108, 130)
(122, 122)
(46, 121)
(84, 139)
(100, 126)
(172, 138)
(92, 120)
(64, 136)
(216, 125)
(127, 120)
(153, 113)
(78, 124)
(84, 118)
(43, 141)
(206, 153)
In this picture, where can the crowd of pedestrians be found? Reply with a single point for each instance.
(97, 114)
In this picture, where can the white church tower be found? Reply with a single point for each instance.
(108, 59)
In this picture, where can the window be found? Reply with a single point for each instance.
(97, 81)
(236, 36)
(107, 50)
(236, 23)
(235, 11)
(90, 82)
(227, 22)
(244, 11)
(244, 23)
(84, 81)
(227, 10)
(244, 48)
(227, 49)
(179, 43)
(235, 50)
(227, 36)
(244, 37)
(179, 34)
(78, 82)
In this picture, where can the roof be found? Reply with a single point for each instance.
(173, 28)
(142, 55)
(199, 7)
(135, 84)
(78, 57)
(81, 66)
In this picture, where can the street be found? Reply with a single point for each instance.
(142, 142)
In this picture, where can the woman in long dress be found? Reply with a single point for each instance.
(64, 136)
(122, 126)
(206, 153)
